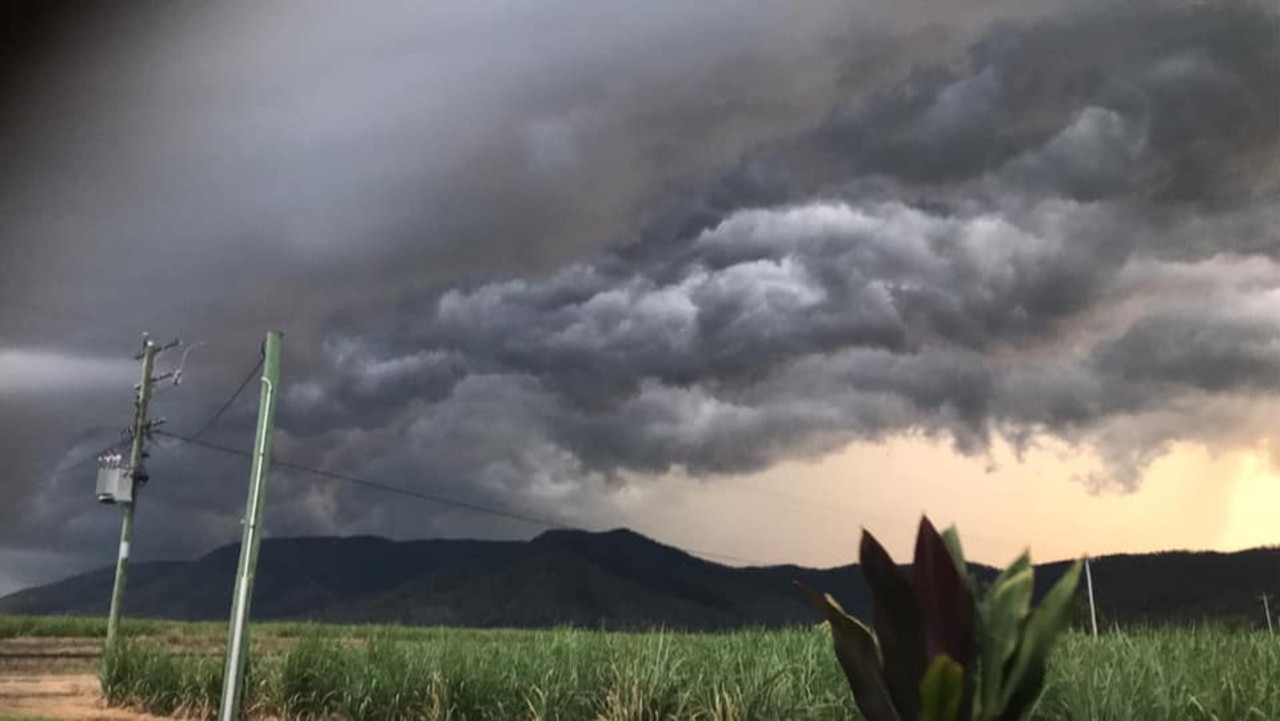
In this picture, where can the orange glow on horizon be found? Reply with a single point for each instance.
(812, 512)
(1255, 505)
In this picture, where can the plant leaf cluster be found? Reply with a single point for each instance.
(935, 650)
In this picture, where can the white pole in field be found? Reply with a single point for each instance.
(1093, 610)
(1266, 611)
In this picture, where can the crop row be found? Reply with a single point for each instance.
(574, 674)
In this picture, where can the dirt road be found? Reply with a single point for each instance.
(57, 696)
(53, 678)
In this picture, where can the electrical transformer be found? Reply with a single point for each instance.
(115, 482)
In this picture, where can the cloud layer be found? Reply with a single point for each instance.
(1022, 246)
(1071, 232)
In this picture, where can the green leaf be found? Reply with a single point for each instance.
(941, 690)
(1003, 612)
(859, 658)
(951, 537)
(897, 625)
(1025, 679)
(1019, 564)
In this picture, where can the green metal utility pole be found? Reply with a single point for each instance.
(140, 427)
(238, 640)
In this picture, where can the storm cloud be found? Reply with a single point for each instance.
(941, 267)
(1068, 230)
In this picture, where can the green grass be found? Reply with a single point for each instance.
(431, 673)
(87, 627)
(561, 674)
(385, 672)
(1165, 674)
(96, 627)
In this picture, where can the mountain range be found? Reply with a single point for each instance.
(616, 579)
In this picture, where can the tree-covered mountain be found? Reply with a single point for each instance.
(617, 579)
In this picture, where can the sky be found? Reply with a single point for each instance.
(747, 277)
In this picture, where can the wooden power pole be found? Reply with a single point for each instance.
(141, 426)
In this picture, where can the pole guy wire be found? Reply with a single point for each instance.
(232, 399)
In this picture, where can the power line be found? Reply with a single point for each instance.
(374, 484)
(235, 394)
(513, 515)
(194, 439)
(213, 419)
(434, 498)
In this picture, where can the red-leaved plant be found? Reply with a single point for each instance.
(934, 651)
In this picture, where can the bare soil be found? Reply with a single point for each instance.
(56, 678)
(39, 656)
(57, 696)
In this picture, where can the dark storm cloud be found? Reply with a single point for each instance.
(1206, 350)
(711, 250)
(212, 171)
(918, 262)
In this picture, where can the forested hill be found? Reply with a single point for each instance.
(616, 579)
